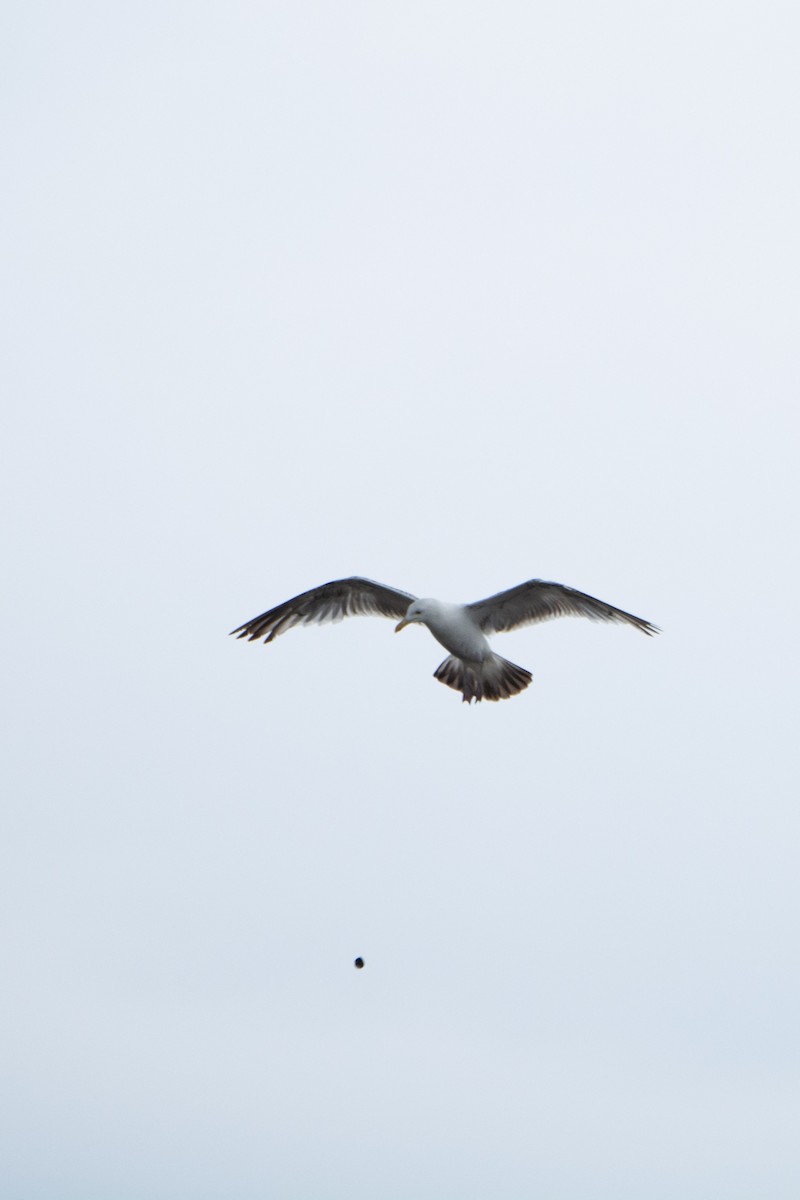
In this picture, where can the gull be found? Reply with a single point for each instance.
(471, 666)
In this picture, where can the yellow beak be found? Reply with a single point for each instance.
(401, 625)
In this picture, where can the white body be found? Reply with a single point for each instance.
(453, 628)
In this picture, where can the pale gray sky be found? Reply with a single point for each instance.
(449, 295)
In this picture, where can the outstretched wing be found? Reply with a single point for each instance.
(538, 600)
(329, 602)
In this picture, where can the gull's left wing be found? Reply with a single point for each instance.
(328, 602)
(538, 600)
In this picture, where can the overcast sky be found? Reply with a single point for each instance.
(451, 295)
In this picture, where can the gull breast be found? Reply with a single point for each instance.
(454, 629)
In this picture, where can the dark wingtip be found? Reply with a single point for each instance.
(243, 631)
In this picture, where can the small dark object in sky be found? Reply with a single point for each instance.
(359, 962)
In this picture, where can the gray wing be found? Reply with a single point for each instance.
(538, 600)
(329, 602)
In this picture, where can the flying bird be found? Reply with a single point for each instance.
(471, 666)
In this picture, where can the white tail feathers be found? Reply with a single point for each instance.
(493, 679)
